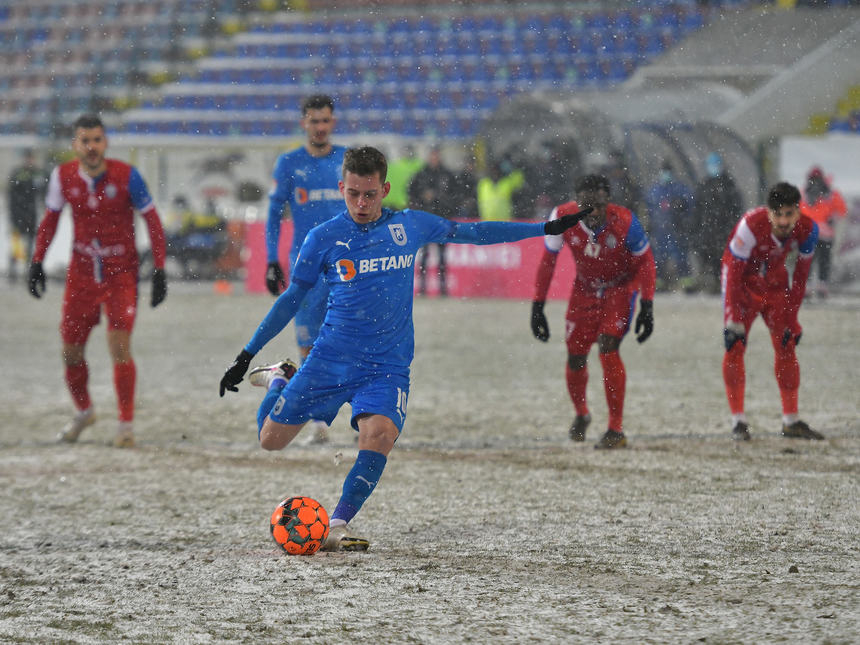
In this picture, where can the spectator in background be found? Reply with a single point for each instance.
(547, 183)
(430, 190)
(669, 203)
(823, 205)
(625, 190)
(717, 206)
(496, 190)
(400, 173)
(26, 189)
(464, 193)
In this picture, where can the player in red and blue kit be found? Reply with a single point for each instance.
(103, 195)
(614, 263)
(306, 180)
(364, 350)
(755, 282)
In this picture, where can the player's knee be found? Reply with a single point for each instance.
(73, 355)
(270, 441)
(275, 436)
(377, 433)
(608, 344)
(577, 362)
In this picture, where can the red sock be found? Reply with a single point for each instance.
(124, 375)
(787, 371)
(614, 383)
(76, 379)
(734, 376)
(577, 380)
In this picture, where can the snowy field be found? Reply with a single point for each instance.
(488, 525)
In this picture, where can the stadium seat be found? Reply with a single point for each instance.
(475, 49)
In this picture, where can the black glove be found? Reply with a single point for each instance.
(275, 278)
(644, 321)
(236, 372)
(560, 225)
(540, 326)
(730, 336)
(37, 279)
(159, 287)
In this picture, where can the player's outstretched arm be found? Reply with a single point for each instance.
(279, 316)
(560, 225)
(498, 232)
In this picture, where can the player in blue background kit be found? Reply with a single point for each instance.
(306, 179)
(365, 346)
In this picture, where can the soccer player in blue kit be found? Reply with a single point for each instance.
(306, 179)
(365, 346)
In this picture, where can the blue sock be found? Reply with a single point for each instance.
(268, 403)
(359, 483)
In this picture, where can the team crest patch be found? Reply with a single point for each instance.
(398, 234)
(110, 191)
(611, 242)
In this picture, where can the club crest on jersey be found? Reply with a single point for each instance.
(592, 249)
(110, 191)
(398, 234)
(611, 241)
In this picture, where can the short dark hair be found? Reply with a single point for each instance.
(783, 194)
(364, 162)
(317, 102)
(592, 182)
(88, 121)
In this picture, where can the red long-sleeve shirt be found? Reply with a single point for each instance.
(102, 218)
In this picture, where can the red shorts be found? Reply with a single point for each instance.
(83, 300)
(590, 316)
(769, 305)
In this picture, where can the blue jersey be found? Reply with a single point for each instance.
(369, 270)
(309, 185)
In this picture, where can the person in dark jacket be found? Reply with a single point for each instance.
(717, 205)
(26, 190)
(431, 190)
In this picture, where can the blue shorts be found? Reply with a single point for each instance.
(321, 387)
(309, 318)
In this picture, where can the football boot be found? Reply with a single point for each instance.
(579, 426)
(76, 426)
(800, 430)
(262, 376)
(611, 440)
(341, 539)
(741, 431)
(124, 437)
